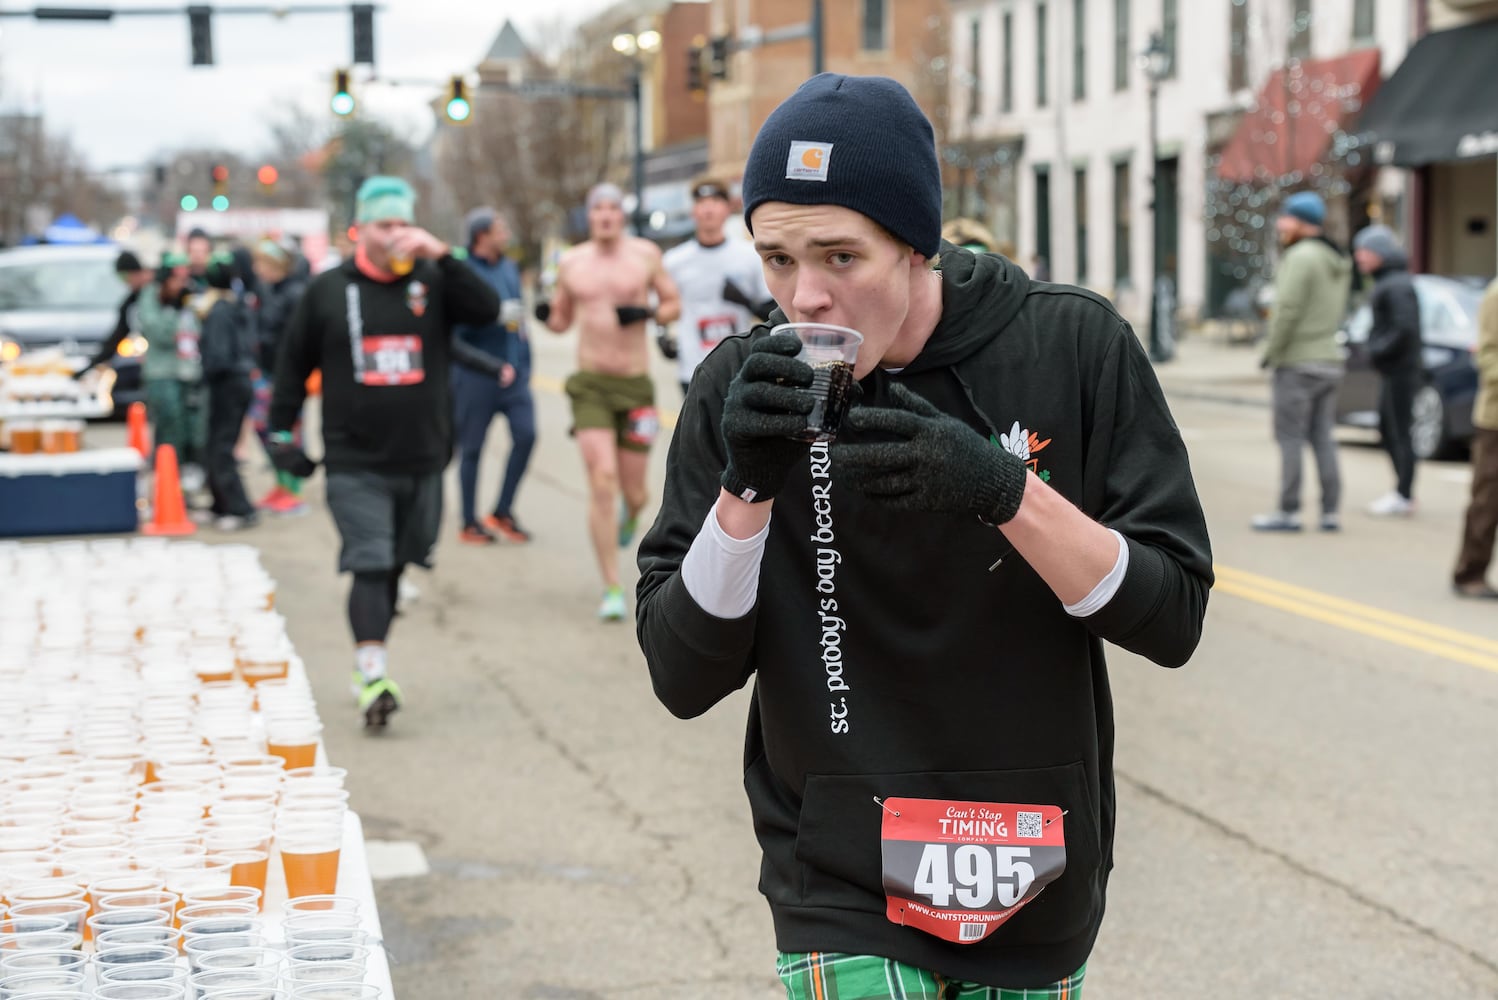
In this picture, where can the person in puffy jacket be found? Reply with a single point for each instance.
(1394, 347)
(228, 351)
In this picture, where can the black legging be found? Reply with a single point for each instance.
(371, 603)
(1396, 417)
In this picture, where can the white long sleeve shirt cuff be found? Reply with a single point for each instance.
(1107, 586)
(721, 572)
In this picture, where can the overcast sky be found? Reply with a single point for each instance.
(123, 91)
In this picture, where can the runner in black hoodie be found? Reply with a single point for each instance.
(380, 328)
(930, 741)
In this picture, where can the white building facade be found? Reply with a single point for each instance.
(1055, 92)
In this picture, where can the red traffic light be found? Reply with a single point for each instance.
(268, 175)
(220, 173)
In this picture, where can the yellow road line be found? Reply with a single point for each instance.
(1363, 619)
(552, 385)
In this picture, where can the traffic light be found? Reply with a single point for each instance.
(267, 175)
(200, 33)
(220, 175)
(363, 33)
(696, 78)
(189, 203)
(458, 109)
(220, 203)
(343, 96)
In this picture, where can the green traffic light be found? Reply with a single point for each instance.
(220, 203)
(189, 203)
(458, 110)
(343, 103)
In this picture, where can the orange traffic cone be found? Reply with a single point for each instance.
(136, 434)
(169, 512)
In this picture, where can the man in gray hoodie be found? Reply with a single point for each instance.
(1310, 299)
(1394, 349)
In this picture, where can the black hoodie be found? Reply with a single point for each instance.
(952, 679)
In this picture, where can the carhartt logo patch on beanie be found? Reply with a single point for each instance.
(856, 141)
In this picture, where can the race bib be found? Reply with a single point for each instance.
(712, 329)
(642, 425)
(958, 870)
(189, 339)
(392, 360)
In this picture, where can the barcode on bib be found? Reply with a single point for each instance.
(1027, 824)
(972, 932)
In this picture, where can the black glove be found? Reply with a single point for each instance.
(543, 310)
(733, 293)
(764, 410)
(667, 344)
(630, 315)
(82, 372)
(288, 458)
(937, 464)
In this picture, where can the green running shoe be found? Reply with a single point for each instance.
(612, 608)
(378, 700)
(627, 528)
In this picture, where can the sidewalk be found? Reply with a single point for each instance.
(1207, 367)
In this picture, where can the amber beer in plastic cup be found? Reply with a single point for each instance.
(310, 843)
(294, 739)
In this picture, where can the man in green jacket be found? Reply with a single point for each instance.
(1470, 578)
(1310, 299)
(171, 369)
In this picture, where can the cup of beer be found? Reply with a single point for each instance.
(831, 351)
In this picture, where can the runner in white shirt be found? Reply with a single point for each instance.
(702, 268)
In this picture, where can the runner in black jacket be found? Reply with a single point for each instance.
(930, 740)
(384, 343)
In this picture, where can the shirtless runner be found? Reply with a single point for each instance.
(604, 286)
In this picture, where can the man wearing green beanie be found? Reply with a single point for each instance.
(380, 326)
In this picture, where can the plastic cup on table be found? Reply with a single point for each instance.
(246, 993)
(163, 901)
(234, 895)
(74, 911)
(320, 903)
(336, 991)
(28, 983)
(213, 981)
(136, 956)
(141, 991)
(320, 928)
(16, 963)
(310, 844)
(130, 937)
(293, 738)
(240, 959)
(45, 941)
(309, 957)
(146, 972)
(203, 945)
(108, 920)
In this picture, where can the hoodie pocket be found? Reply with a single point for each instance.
(837, 841)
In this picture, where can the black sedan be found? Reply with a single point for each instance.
(1443, 405)
(67, 297)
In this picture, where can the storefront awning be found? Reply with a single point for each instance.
(1442, 102)
(1302, 106)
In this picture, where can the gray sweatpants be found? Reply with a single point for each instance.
(1305, 408)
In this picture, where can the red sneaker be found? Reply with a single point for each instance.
(508, 528)
(285, 505)
(269, 501)
(473, 534)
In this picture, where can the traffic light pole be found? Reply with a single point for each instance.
(639, 165)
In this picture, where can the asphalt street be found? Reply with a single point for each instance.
(1307, 809)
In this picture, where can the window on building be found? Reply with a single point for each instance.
(1043, 222)
(1123, 59)
(1042, 55)
(875, 25)
(1362, 21)
(1300, 29)
(1122, 224)
(1079, 50)
(1238, 46)
(1168, 20)
(1006, 71)
(975, 69)
(1079, 196)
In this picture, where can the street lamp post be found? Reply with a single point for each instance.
(635, 46)
(1155, 62)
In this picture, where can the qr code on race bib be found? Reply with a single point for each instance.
(1028, 824)
(971, 931)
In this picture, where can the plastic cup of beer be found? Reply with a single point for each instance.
(831, 351)
(293, 738)
(310, 843)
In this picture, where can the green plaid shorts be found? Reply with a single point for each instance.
(821, 975)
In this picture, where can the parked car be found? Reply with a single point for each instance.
(68, 297)
(1443, 405)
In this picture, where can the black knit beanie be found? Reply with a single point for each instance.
(856, 141)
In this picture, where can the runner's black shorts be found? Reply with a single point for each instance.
(385, 521)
